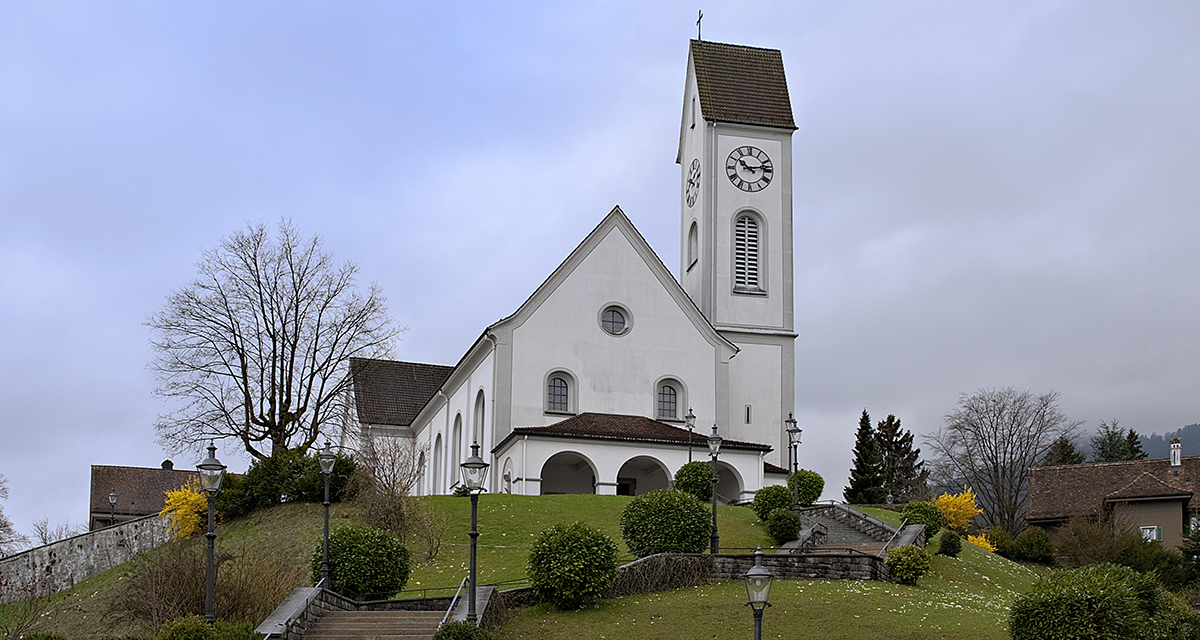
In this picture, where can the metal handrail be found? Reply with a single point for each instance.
(889, 542)
(453, 601)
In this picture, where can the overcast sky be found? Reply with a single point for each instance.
(987, 194)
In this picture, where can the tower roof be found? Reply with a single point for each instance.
(742, 85)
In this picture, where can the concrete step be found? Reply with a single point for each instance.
(376, 625)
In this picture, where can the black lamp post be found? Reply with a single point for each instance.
(473, 470)
(758, 588)
(112, 507)
(714, 447)
(326, 458)
(793, 441)
(211, 474)
(690, 418)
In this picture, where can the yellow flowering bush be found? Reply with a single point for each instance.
(957, 510)
(187, 509)
(981, 542)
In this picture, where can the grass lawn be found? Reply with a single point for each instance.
(967, 597)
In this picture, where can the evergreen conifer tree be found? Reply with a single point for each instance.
(866, 478)
(1062, 451)
(1112, 443)
(1133, 446)
(904, 475)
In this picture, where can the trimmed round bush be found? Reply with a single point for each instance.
(462, 630)
(811, 485)
(363, 561)
(1005, 547)
(666, 521)
(907, 564)
(925, 513)
(1100, 601)
(951, 544)
(768, 499)
(695, 478)
(572, 565)
(191, 627)
(783, 525)
(1033, 545)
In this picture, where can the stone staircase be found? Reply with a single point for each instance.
(376, 625)
(841, 536)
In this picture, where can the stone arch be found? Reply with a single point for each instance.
(642, 474)
(506, 478)
(729, 483)
(568, 472)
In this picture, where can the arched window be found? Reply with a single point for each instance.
(477, 433)
(456, 448)
(668, 398)
(693, 245)
(746, 255)
(435, 483)
(558, 396)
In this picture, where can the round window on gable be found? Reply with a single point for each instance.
(615, 320)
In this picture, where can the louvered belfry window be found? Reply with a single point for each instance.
(745, 255)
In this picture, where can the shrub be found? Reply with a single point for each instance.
(572, 565)
(1103, 601)
(1033, 545)
(461, 491)
(1002, 543)
(194, 627)
(924, 513)
(462, 630)
(958, 510)
(981, 541)
(284, 477)
(907, 564)
(695, 478)
(187, 510)
(951, 544)
(811, 485)
(1085, 540)
(783, 525)
(768, 499)
(363, 560)
(1146, 556)
(666, 521)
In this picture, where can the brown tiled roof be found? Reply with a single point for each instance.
(1059, 492)
(607, 426)
(771, 468)
(743, 85)
(1147, 486)
(393, 392)
(141, 491)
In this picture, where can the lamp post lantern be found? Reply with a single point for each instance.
(690, 419)
(758, 589)
(714, 447)
(212, 472)
(326, 458)
(112, 507)
(793, 441)
(473, 470)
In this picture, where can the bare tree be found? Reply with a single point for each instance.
(392, 464)
(990, 442)
(44, 533)
(257, 347)
(10, 541)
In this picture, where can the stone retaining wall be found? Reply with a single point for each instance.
(60, 565)
(836, 566)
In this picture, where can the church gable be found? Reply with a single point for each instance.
(605, 332)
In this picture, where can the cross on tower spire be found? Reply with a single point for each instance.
(698, 24)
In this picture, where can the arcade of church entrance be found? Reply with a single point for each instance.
(640, 475)
(568, 472)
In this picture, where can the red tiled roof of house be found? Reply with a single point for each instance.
(631, 428)
(742, 85)
(1059, 492)
(393, 392)
(771, 468)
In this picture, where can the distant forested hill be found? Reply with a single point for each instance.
(1157, 446)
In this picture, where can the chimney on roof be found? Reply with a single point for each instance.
(1176, 455)
(168, 465)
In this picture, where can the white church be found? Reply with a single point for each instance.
(590, 385)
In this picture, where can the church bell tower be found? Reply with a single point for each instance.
(735, 155)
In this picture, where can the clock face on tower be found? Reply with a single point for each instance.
(749, 168)
(693, 182)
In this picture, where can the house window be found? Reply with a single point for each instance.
(558, 395)
(1152, 534)
(746, 255)
(667, 402)
(615, 320)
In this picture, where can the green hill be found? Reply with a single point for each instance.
(966, 597)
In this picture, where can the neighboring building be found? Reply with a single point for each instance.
(587, 386)
(1152, 496)
(140, 491)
